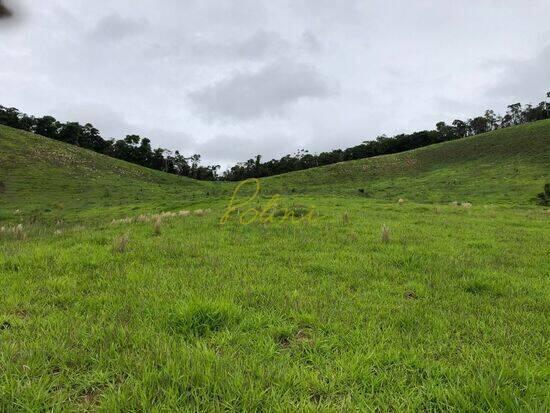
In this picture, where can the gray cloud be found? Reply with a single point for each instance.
(226, 148)
(311, 43)
(523, 79)
(114, 27)
(260, 44)
(248, 95)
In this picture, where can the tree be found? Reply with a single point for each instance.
(492, 120)
(9, 117)
(461, 129)
(46, 126)
(478, 125)
(515, 113)
(70, 132)
(257, 166)
(91, 139)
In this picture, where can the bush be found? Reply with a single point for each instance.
(544, 197)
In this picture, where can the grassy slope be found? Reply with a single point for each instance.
(509, 165)
(451, 314)
(49, 179)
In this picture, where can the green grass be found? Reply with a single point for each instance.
(50, 180)
(317, 315)
(506, 166)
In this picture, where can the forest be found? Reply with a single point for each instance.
(138, 150)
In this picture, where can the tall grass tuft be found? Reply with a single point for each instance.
(19, 232)
(385, 234)
(121, 242)
(345, 218)
(157, 226)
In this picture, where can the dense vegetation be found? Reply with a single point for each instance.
(446, 309)
(138, 150)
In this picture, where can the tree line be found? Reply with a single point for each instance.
(383, 145)
(138, 150)
(132, 148)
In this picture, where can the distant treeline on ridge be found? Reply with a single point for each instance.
(138, 150)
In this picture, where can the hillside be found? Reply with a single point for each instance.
(367, 305)
(43, 176)
(48, 178)
(508, 165)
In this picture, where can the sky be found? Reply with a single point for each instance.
(230, 79)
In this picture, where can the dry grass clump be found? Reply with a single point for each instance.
(161, 216)
(121, 242)
(385, 234)
(122, 221)
(17, 231)
(465, 205)
(157, 226)
(345, 218)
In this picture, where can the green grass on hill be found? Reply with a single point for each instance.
(509, 165)
(451, 314)
(48, 179)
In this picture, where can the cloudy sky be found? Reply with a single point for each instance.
(230, 79)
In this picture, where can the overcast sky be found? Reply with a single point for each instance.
(230, 79)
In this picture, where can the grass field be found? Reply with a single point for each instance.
(108, 307)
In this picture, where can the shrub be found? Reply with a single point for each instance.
(544, 197)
